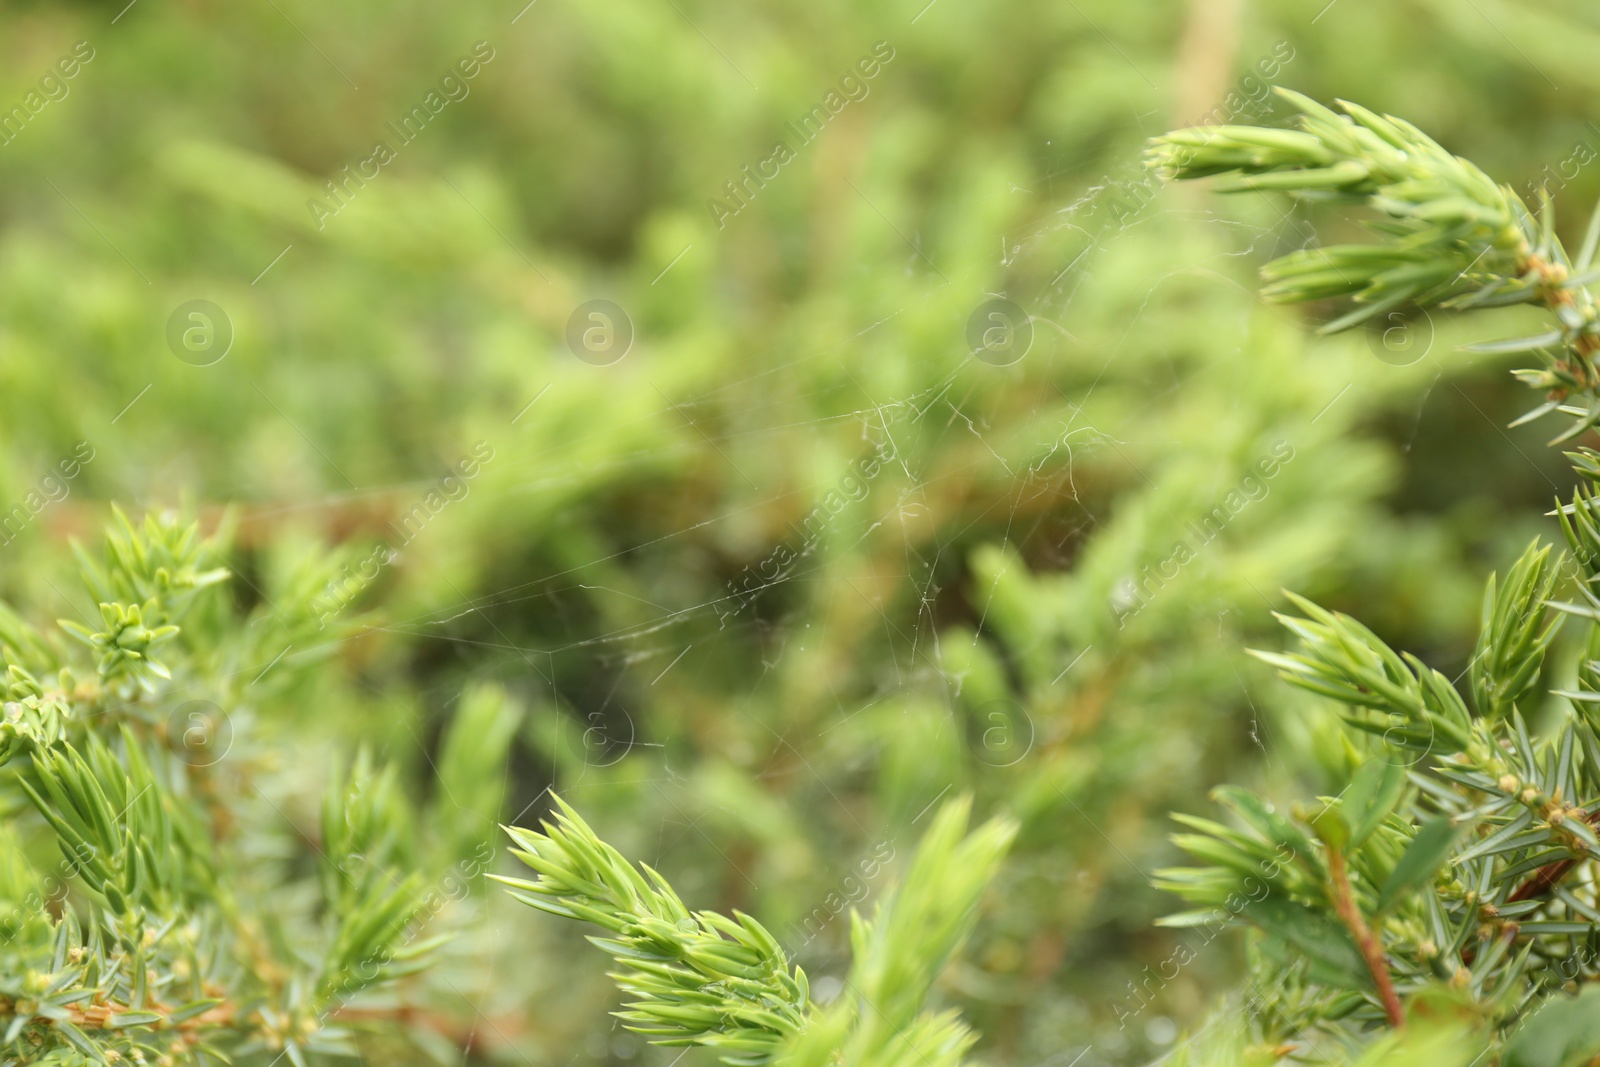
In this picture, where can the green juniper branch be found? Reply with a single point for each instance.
(152, 940)
(702, 978)
(1452, 880)
(699, 978)
(1456, 239)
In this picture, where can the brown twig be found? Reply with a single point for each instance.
(98, 1015)
(468, 1036)
(1371, 949)
(1552, 278)
(1545, 878)
(1208, 53)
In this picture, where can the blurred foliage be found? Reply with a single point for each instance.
(1034, 598)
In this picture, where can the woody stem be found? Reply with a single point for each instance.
(1586, 345)
(1344, 903)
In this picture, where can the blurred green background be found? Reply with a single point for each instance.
(795, 564)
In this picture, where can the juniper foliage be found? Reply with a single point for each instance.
(1443, 904)
(158, 903)
(702, 978)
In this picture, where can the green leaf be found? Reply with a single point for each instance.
(1375, 790)
(1425, 855)
(193, 1009)
(79, 1040)
(1331, 827)
(1333, 955)
(1563, 1033)
(1516, 344)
